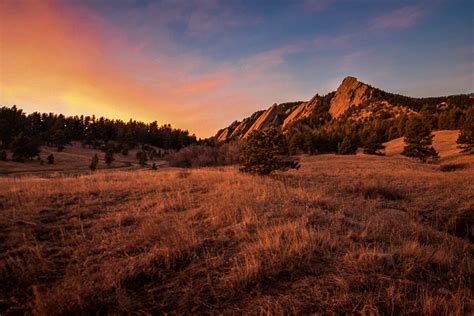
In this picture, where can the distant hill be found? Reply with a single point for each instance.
(353, 100)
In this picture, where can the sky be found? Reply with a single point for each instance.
(201, 64)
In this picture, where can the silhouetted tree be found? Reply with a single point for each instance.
(94, 162)
(24, 147)
(109, 157)
(266, 151)
(347, 146)
(142, 157)
(466, 136)
(418, 140)
(50, 159)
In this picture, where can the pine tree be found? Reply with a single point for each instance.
(94, 162)
(266, 151)
(24, 147)
(50, 159)
(466, 137)
(142, 157)
(347, 146)
(418, 140)
(373, 144)
(109, 157)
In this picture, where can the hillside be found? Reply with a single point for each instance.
(344, 234)
(353, 100)
(443, 141)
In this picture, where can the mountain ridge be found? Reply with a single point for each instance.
(362, 99)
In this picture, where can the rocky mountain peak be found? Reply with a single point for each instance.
(350, 92)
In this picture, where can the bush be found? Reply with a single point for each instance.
(452, 167)
(264, 152)
(50, 159)
(206, 156)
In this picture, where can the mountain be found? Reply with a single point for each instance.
(352, 99)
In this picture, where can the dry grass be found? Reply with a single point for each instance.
(75, 159)
(370, 235)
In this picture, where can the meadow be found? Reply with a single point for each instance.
(344, 234)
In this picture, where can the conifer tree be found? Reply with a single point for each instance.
(109, 157)
(373, 144)
(418, 140)
(466, 137)
(142, 157)
(24, 147)
(50, 159)
(347, 146)
(94, 162)
(266, 151)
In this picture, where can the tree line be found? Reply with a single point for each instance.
(24, 134)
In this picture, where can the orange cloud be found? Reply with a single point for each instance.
(55, 56)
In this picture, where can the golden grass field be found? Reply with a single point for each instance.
(344, 234)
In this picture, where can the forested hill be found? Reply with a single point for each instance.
(59, 130)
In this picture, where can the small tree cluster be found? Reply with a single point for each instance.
(266, 151)
(24, 147)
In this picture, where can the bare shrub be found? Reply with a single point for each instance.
(450, 167)
(206, 156)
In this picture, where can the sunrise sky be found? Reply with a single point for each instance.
(199, 65)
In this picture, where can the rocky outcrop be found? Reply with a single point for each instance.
(350, 92)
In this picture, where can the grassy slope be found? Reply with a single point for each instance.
(342, 234)
(73, 159)
(444, 142)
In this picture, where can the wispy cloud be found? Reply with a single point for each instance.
(400, 18)
(317, 5)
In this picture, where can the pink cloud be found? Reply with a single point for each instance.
(401, 18)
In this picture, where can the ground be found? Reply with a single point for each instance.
(344, 234)
(75, 159)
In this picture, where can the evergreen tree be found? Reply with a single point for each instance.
(109, 157)
(24, 147)
(418, 140)
(94, 162)
(373, 143)
(266, 151)
(466, 137)
(142, 157)
(50, 159)
(59, 139)
(347, 146)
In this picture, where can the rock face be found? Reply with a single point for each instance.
(276, 115)
(350, 92)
